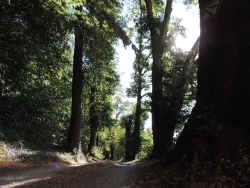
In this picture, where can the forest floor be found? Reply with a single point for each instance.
(26, 168)
(113, 174)
(103, 174)
(23, 167)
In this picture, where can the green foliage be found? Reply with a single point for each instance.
(98, 152)
(34, 71)
(116, 139)
(121, 107)
(178, 99)
(190, 3)
(113, 136)
(100, 79)
(146, 144)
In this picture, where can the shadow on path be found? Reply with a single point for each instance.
(106, 174)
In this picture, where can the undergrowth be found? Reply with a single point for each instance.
(14, 148)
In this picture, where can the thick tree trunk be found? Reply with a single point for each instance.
(158, 42)
(74, 132)
(92, 140)
(157, 100)
(223, 94)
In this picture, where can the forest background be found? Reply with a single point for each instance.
(60, 87)
(60, 84)
(39, 43)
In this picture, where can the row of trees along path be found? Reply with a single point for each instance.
(218, 126)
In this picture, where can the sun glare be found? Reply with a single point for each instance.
(181, 43)
(190, 21)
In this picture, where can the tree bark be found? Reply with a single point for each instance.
(74, 132)
(93, 118)
(223, 93)
(137, 127)
(158, 44)
(112, 152)
(129, 139)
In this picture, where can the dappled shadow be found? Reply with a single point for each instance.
(32, 174)
(32, 167)
(106, 174)
(21, 176)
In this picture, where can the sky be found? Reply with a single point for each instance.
(190, 20)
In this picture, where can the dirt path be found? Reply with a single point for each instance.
(105, 174)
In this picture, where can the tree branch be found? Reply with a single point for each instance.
(86, 81)
(165, 24)
(146, 94)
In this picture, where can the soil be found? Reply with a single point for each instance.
(111, 174)
(155, 173)
(104, 174)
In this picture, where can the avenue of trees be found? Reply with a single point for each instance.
(60, 85)
(58, 75)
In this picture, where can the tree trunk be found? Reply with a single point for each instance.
(158, 43)
(74, 132)
(178, 96)
(93, 119)
(92, 140)
(129, 139)
(97, 141)
(220, 119)
(137, 127)
(112, 152)
(157, 99)
(106, 154)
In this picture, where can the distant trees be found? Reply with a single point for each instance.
(179, 89)
(172, 71)
(100, 84)
(158, 34)
(130, 139)
(100, 78)
(36, 68)
(91, 20)
(39, 43)
(141, 82)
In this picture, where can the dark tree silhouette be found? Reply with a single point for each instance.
(219, 123)
(74, 132)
